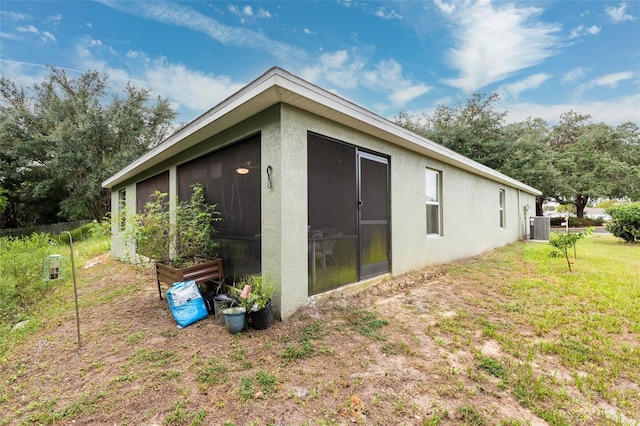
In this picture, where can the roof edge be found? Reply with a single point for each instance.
(288, 82)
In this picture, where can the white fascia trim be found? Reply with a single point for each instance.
(232, 102)
(286, 83)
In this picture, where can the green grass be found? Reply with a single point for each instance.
(181, 415)
(540, 319)
(25, 296)
(304, 347)
(368, 323)
(588, 320)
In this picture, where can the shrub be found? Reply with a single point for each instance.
(84, 232)
(625, 221)
(176, 242)
(575, 222)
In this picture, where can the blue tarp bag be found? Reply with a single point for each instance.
(186, 303)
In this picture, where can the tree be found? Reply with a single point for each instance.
(64, 136)
(572, 163)
(629, 136)
(591, 159)
(3, 200)
(474, 130)
(529, 159)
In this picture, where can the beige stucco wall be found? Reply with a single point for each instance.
(470, 204)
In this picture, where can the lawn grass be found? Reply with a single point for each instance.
(567, 342)
(588, 320)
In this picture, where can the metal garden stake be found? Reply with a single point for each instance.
(75, 287)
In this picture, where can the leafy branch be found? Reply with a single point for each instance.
(564, 241)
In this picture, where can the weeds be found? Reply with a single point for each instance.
(470, 416)
(215, 374)
(246, 390)
(368, 324)
(303, 349)
(179, 415)
(23, 291)
(494, 367)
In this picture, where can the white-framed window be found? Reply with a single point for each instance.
(433, 200)
(503, 222)
(122, 205)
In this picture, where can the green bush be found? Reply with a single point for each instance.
(84, 232)
(574, 222)
(625, 221)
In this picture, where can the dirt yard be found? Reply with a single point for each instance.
(398, 352)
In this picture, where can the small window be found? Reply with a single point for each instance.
(502, 217)
(122, 204)
(433, 197)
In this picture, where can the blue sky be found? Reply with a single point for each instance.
(543, 57)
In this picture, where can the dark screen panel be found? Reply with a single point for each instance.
(144, 189)
(332, 207)
(231, 178)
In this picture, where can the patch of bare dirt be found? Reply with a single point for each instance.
(136, 367)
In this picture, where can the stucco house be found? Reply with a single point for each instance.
(322, 193)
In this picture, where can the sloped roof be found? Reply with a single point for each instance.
(279, 86)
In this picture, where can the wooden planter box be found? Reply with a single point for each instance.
(210, 270)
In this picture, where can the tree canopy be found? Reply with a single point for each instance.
(62, 137)
(572, 162)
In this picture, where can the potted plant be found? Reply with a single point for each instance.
(254, 293)
(235, 318)
(183, 248)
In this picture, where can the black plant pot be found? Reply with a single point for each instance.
(263, 318)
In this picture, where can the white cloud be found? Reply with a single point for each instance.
(582, 30)
(28, 29)
(612, 112)
(308, 31)
(27, 74)
(594, 29)
(46, 36)
(189, 90)
(336, 68)
(619, 14)
(346, 73)
(611, 80)
(14, 16)
(385, 14)
(493, 43)
(264, 14)
(574, 75)
(401, 97)
(192, 89)
(9, 36)
(445, 8)
(532, 82)
(387, 77)
(247, 10)
(181, 15)
(380, 11)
